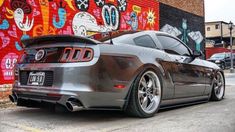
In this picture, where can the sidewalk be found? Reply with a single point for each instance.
(227, 73)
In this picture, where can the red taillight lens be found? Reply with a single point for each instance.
(77, 55)
(66, 54)
(87, 55)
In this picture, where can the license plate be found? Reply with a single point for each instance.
(36, 78)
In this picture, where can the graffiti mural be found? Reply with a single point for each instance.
(21, 19)
(61, 15)
(186, 26)
(133, 21)
(196, 36)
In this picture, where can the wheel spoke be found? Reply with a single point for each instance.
(145, 102)
(141, 93)
(216, 87)
(216, 81)
(218, 77)
(218, 90)
(150, 83)
(220, 84)
(143, 82)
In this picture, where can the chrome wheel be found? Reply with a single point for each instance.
(219, 86)
(149, 92)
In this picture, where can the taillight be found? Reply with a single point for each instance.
(77, 55)
(87, 55)
(66, 54)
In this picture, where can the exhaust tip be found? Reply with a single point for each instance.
(74, 105)
(69, 106)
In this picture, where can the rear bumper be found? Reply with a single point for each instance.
(92, 84)
(88, 99)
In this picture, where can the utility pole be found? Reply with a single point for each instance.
(230, 26)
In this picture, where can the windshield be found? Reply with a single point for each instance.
(218, 56)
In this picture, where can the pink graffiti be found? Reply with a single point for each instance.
(4, 9)
(35, 12)
(32, 2)
(5, 40)
(13, 33)
(68, 31)
(7, 65)
(54, 6)
(123, 23)
(97, 13)
(144, 23)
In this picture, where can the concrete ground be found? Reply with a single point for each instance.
(206, 117)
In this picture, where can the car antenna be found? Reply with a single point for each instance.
(110, 37)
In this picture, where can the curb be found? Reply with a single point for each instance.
(229, 74)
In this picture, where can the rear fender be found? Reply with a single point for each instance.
(140, 71)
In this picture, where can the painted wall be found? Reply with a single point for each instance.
(186, 26)
(20, 19)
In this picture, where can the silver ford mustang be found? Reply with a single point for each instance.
(137, 72)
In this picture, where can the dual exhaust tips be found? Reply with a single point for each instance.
(72, 104)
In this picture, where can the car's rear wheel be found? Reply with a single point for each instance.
(218, 87)
(145, 96)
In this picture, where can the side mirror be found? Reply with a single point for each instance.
(197, 54)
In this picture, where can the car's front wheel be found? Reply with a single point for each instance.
(146, 95)
(223, 66)
(218, 90)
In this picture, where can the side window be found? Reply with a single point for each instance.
(228, 56)
(145, 41)
(173, 46)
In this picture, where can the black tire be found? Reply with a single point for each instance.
(134, 108)
(214, 94)
(223, 66)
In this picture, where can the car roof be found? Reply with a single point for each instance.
(131, 34)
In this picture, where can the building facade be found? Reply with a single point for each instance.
(218, 34)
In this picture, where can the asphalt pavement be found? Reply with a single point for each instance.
(205, 117)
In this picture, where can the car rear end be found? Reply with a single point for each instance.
(57, 70)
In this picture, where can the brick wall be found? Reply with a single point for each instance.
(193, 6)
(5, 91)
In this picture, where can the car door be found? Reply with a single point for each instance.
(187, 74)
